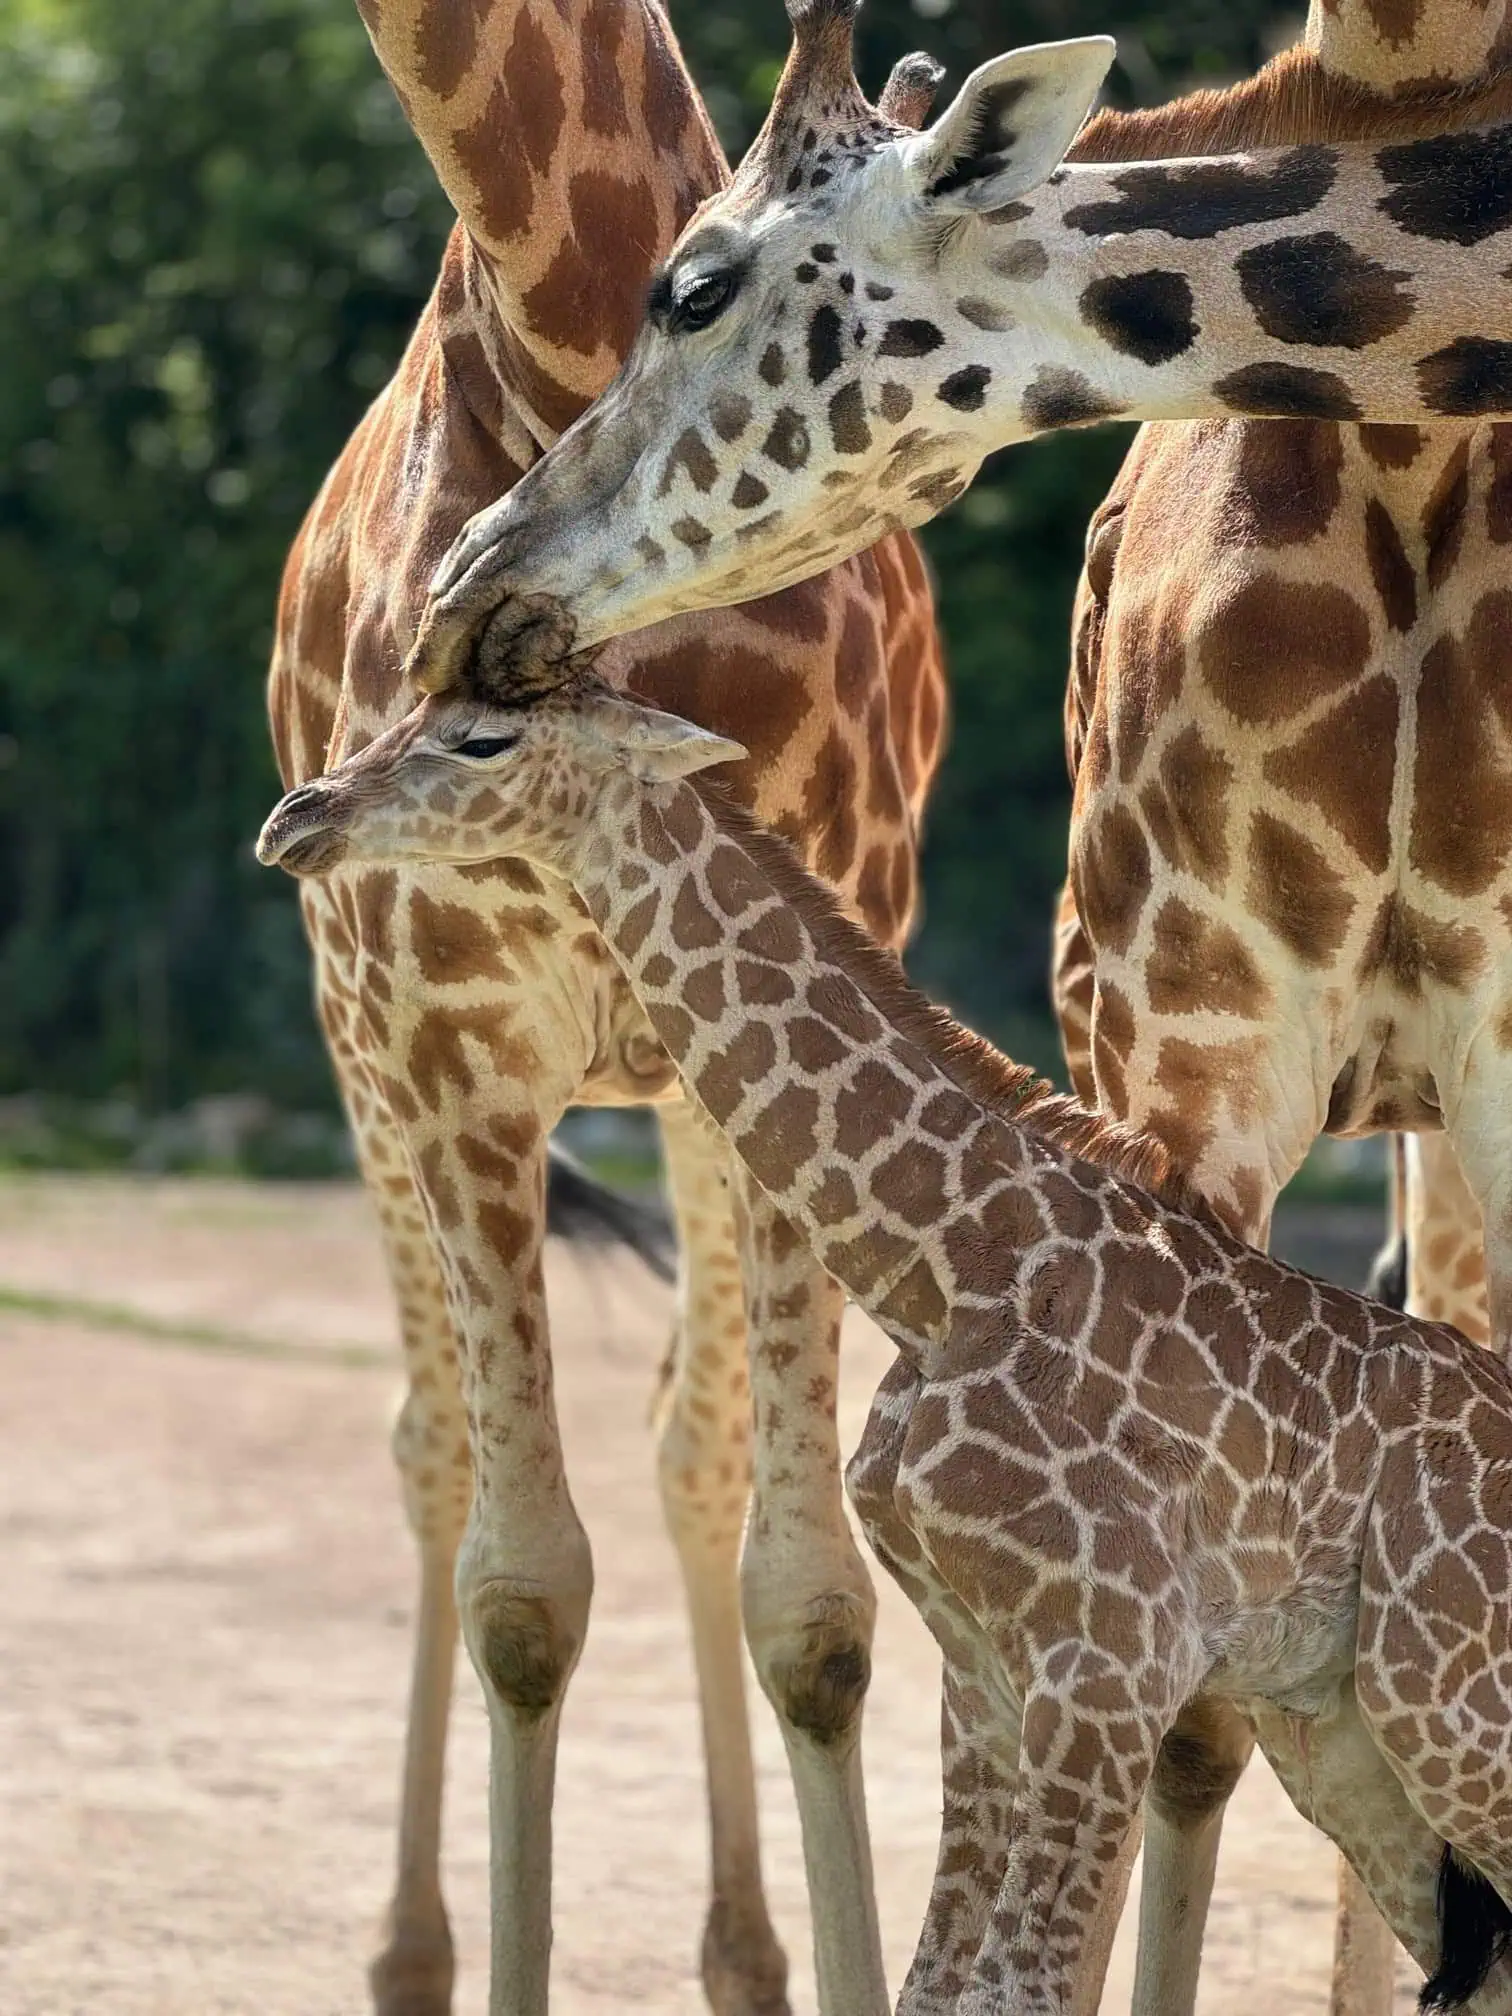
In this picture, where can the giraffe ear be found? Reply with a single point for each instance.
(659, 747)
(1011, 124)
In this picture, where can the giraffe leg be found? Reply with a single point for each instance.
(1446, 1256)
(704, 1467)
(1476, 1124)
(808, 1603)
(1198, 1765)
(1336, 1777)
(524, 1571)
(1068, 1829)
(1445, 1282)
(978, 1740)
(412, 1975)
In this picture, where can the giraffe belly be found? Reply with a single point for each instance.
(1292, 1656)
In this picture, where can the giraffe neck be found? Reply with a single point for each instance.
(1396, 45)
(574, 148)
(864, 1114)
(1352, 282)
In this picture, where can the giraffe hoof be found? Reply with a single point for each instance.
(744, 1968)
(412, 1976)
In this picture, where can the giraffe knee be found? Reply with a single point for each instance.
(523, 1645)
(1199, 1764)
(815, 1671)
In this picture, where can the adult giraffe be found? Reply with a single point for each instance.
(465, 1008)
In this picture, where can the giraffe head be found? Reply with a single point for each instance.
(457, 781)
(797, 387)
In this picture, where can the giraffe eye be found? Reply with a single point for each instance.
(478, 748)
(704, 300)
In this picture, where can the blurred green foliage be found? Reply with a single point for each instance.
(215, 233)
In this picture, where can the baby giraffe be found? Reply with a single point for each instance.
(1123, 1461)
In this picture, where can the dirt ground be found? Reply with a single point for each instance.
(203, 1645)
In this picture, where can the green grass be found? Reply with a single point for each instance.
(186, 1336)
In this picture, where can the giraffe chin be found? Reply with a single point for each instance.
(518, 650)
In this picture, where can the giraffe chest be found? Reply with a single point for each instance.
(1294, 773)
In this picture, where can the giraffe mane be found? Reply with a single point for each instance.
(1292, 101)
(1011, 1091)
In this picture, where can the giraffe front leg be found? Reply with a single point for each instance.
(524, 1571)
(412, 1974)
(704, 1471)
(808, 1602)
(1476, 1121)
(978, 1737)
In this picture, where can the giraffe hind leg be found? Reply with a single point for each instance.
(704, 1472)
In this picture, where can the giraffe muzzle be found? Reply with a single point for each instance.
(300, 834)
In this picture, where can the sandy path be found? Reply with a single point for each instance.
(203, 1643)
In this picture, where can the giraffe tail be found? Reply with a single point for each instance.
(1475, 1931)
(596, 1218)
(1387, 1280)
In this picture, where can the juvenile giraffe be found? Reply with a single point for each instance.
(1125, 1463)
(465, 1007)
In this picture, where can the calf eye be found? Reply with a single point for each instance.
(480, 747)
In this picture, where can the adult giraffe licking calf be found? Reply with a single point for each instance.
(1124, 1460)
(465, 1007)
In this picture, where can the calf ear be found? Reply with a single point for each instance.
(658, 747)
(1011, 124)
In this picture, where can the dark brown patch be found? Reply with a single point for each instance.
(729, 415)
(597, 40)
(745, 1060)
(782, 1138)
(1462, 792)
(1392, 446)
(1294, 889)
(1390, 569)
(500, 153)
(1276, 647)
(1318, 289)
(749, 491)
(1344, 765)
(787, 441)
(894, 403)
(695, 928)
(452, 943)
(1185, 806)
(689, 451)
(1198, 962)
(1420, 952)
(587, 298)
(1111, 874)
(1059, 397)
(911, 1182)
(872, 1106)
(1444, 515)
(1287, 486)
(1287, 392)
